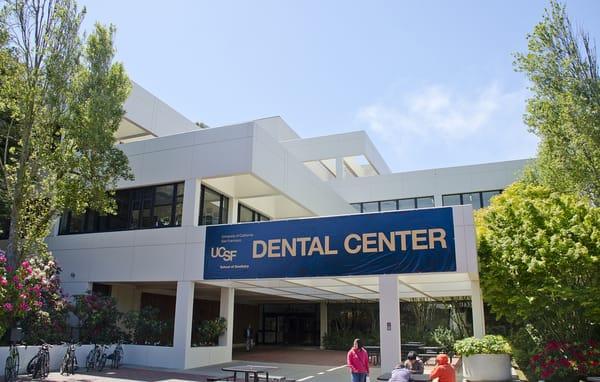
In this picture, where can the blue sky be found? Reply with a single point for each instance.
(432, 82)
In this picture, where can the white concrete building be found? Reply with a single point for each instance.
(186, 177)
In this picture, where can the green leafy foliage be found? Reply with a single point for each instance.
(144, 326)
(342, 340)
(539, 254)
(61, 102)
(490, 344)
(210, 330)
(445, 338)
(564, 110)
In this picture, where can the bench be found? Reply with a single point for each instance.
(272, 378)
(220, 378)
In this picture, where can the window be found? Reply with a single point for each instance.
(394, 204)
(214, 207)
(370, 207)
(473, 198)
(388, 205)
(476, 199)
(451, 200)
(246, 214)
(136, 208)
(487, 196)
(102, 289)
(406, 204)
(425, 202)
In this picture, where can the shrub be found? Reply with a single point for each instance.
(210, 330)
(144, 326)
(31, 294)
(98, 319)
(445, 338)
(342, 340)
(489, 344)
(560, 361)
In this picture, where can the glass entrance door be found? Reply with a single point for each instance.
(287, 325)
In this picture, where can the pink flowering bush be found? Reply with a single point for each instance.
(98, 318)
(49, 321)
(561, 361)
(29, 291)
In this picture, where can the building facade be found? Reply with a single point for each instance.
(151, 252)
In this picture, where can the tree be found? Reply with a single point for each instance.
(61, 101)
(564, 110)
(539, 255)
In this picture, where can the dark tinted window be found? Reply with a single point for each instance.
(214, 207)
(395, 204)
(425, 202)
(144, 207)
(476, 199)
(247, 214)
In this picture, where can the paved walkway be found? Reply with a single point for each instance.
(301, 364)
(297, 355)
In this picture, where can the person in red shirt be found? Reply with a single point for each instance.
(443, 370)
(358, 361)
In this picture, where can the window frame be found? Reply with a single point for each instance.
(95, 221)
(359, 206)
(222, 197)
(256, 216)
(462, 194)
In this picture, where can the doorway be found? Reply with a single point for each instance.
(292, 325)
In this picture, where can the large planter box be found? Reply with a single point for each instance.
(487, 367)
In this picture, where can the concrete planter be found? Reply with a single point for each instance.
(487, 367)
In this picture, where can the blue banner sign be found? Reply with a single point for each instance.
(412, 241)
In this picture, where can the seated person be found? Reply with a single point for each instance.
(414, 364)
(400, 374)
(443, 370)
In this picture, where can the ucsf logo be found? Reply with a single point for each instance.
(223, 253)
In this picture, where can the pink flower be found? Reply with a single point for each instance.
(24, 306)
(3, 281)
(25, 264)
(8, 307)
(2, 258)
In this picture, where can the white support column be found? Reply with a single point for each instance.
(233, 211)
(184, 308)
(477, 308)
(226, 311)
(437, 200)
(389, 322)
(191, 202)
(339, 168)
(323, 323)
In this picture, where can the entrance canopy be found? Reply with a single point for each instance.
(366, 288)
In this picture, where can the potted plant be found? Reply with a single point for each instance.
(485, 359)
(210, 330)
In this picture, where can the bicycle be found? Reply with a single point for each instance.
(96, 358)
(69, 362)
(39, 366)
(11, 366)
(116, 356)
